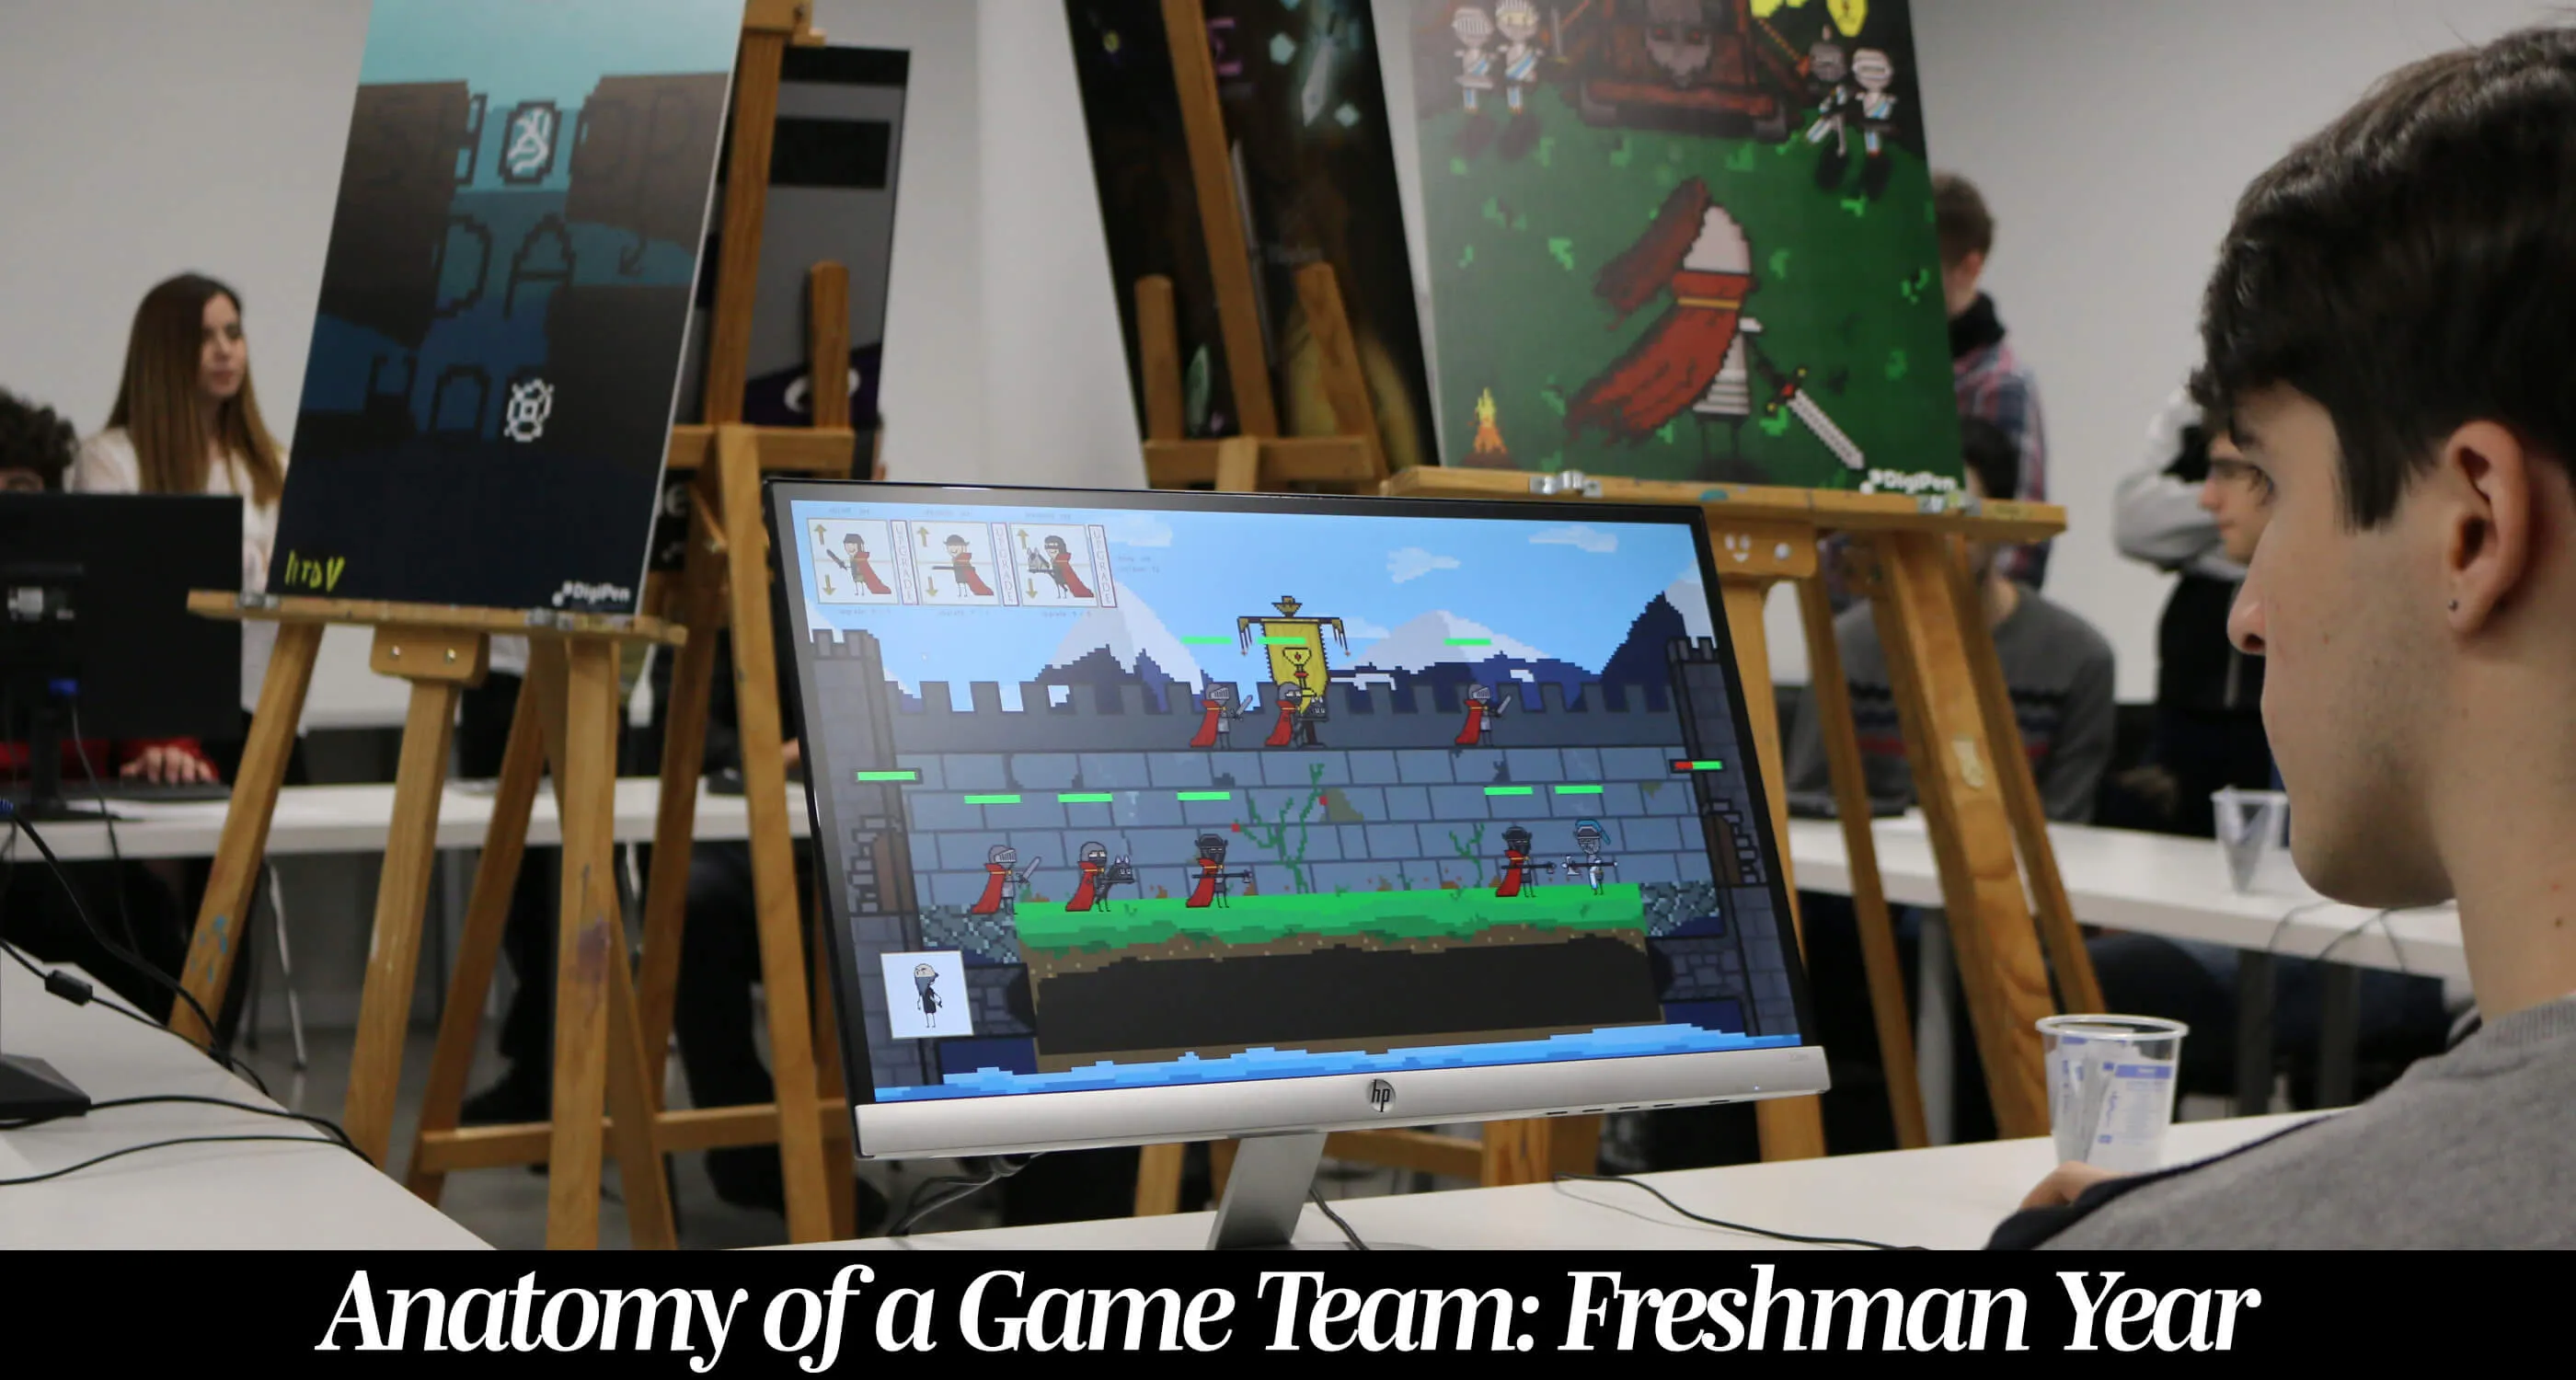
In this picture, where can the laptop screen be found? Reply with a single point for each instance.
(1128, 790)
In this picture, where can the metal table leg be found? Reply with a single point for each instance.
(2253, 1033)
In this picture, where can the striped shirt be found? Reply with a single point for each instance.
(1992, 383)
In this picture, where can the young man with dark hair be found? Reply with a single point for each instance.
(2387, 340)
(1992, 383)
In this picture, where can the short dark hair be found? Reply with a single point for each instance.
(1991, 455)
(35, 438)
(1960, 218)
(2411, 267)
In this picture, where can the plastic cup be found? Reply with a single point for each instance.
(2254, 840)
(2111, 1087)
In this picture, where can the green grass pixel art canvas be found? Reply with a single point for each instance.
(1683, 240)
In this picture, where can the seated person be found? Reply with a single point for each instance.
(2386, 339)
(2059, 671)
(2056, 666)
(142, 910)
(2402, 1018)
(2208, 714)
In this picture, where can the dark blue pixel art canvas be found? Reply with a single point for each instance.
(506, 294)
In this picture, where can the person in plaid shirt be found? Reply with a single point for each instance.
(1992, 383)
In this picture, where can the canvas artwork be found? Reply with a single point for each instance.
(1683, 239)
(503, 302)
(1313, 159)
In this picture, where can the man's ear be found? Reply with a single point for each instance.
(2490, 491)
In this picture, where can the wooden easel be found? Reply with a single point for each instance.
(726, 580)
(1353, 460)
(567, 716)
(1980, 803)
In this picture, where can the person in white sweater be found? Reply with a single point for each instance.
(187, 421)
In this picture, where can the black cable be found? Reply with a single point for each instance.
(160, 1145)
(1317, 1196)
(1731, 1226)
(954, 1188)
(332, 1128)
(80, 993)
(107, 813)
(137, 961)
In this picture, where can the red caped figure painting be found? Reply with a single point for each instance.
(1682, 239)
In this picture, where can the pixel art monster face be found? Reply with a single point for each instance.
(1481, 694)
(1212, 848)
(1678, 39)
(1872, 70)
(1221, 693)
(1472, 26)
(1518, 19)
(1587, 836)
(1003, 855)
(1094, 853)
(1517, 840)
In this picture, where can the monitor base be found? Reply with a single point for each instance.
(1266, 1194)
(31, 1090)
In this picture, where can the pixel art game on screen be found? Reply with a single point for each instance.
(1127, 798)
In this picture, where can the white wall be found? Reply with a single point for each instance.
(2111, 139)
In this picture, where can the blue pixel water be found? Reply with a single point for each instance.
(1621, 1042)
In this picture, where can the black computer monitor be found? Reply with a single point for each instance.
(1160, 816)
(96, 640)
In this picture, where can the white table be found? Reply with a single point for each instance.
(355, 819)
(2174, 887)
(263, 1194)
(1947, 1198)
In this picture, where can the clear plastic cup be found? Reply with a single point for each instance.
(2111, 1087)
(2254, 841)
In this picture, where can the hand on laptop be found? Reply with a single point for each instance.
(795, 755)
(2064, 1184)
(168, 764)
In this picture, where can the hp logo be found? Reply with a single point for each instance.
(1381, 1094)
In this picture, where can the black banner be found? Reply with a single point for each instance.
(813, 1312)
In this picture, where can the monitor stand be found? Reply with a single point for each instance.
(1266, 1193)
(29, 1089)
(42, 799)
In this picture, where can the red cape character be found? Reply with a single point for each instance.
(1204, 894)
(1210, 716)
(1064, 572)
(962, 566)
(1286, 731)
(1695, 250)
(866, 573)
(997, 877)
(1082, 895)
(1511, 882)
(1480, 716)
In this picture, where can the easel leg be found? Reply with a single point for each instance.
(1981, 884)
(773, 868)
(223, 921)
(1158, 1179)
(576, 685)
(684, 740)
(487, 913)
(1238, 465)
(402, 891)
(839, 1162)
(1793, 1128)
(1833, 710)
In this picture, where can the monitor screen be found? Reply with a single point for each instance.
(1128, 791)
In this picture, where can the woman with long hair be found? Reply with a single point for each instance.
(186, 421)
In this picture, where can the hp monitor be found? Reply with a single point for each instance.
(1165, 816)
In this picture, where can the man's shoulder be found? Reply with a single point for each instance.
(2065, 626)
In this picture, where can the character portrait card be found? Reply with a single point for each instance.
(858, 562)
(1063, 565)
(955, 565)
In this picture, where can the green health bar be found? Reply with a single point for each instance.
(992, 800)
(1699, 766)
(867, 776)
(1206, 795)
(1205, 641)
(1086, 798)
(1533, 790)
(1467, 641)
